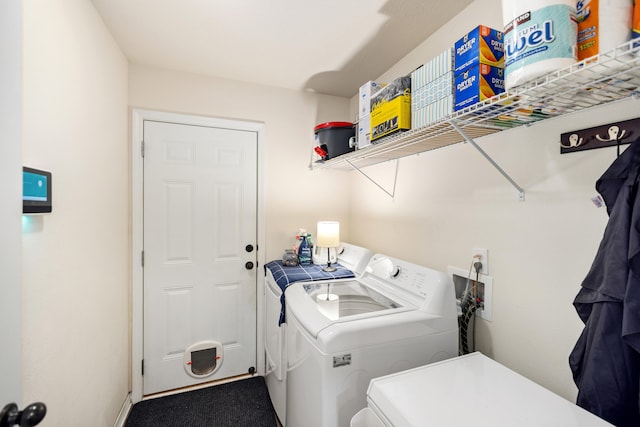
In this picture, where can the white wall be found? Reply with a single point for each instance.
(10, 194)
(295, 197)
(451, 200)
(75, 260)
(75, 275)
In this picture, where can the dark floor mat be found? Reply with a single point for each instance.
(239, 403)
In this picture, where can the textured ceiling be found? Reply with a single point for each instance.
(330, 46)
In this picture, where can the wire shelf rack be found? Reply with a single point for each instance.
(606, 78)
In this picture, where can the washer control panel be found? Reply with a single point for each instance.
(424, 286)
(395, 271)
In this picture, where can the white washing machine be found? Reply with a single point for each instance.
(470, 390)
(352, 261)
(340, 335)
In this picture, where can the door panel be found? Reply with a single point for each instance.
(200, 211)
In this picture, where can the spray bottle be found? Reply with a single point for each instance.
(304, 249)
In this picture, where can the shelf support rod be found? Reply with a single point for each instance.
(490, 160)
(395, 178)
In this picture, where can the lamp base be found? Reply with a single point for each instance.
(329, 268)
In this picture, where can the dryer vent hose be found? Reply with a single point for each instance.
(469, 307)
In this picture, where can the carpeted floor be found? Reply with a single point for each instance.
(235, 404)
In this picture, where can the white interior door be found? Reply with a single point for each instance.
(11, 206)
(200, 216)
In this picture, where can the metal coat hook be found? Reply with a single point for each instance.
(574, 141)
(605, 135)
(614, 134)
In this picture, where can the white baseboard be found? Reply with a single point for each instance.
(124, 412)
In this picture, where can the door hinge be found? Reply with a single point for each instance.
(142, 258)
(142, 148)
(142, 366)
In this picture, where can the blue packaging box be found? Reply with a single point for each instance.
(482, 45)
(477, 84)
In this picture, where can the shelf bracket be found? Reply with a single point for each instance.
(391, 194)
(490, 160)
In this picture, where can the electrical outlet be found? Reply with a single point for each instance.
(482, 255)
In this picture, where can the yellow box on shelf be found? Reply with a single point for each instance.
(391, 109)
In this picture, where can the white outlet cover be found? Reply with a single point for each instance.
(486, 312)
(484, 253)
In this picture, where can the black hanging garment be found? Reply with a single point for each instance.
(606, 358)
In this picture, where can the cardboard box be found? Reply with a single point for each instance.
(438, 110)
(391, 109)
(432, 101)
(391, 117)
(417, 82)
(364, 131)
(477, 84)
(367, 90)
(439, 66)
(435, 69)
(439, 88)
(482, 45)
(432, 90)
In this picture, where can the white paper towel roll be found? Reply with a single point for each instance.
(329, 305)
(539, 37)
(602, 25)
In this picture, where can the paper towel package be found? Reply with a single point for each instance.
(482, 45)
(602, 25)
(539, 37)
(477, 84)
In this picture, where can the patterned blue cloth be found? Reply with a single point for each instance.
(285, 276)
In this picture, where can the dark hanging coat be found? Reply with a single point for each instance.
(606, 358)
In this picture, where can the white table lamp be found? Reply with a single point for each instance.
(328, 236)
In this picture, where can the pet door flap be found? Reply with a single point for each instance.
(203, 358)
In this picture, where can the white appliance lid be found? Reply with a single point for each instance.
(317, 305)
(471, 390)
(353, 257)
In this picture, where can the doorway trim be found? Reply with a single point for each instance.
(137, 182)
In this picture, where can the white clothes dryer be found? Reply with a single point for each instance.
(340, 335)
(470, 390)
(352, 261)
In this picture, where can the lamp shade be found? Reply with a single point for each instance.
(328, 235)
